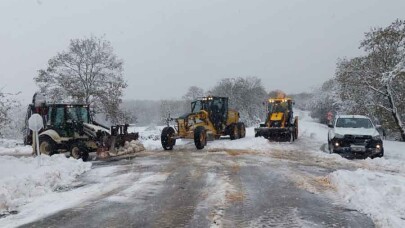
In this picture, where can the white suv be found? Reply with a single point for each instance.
(354, 136)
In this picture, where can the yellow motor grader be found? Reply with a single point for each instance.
(209, 119)
(280, 125)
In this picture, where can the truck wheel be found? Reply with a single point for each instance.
(79, 151)
(46, 145)
(330, 147)
(379, 155)
(200, 137)
(167, 138)
(234, 132)
(242, 130)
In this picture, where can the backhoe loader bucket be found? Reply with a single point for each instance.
(119, 135)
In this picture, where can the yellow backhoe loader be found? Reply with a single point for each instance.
(280, 125)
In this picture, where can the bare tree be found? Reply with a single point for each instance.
(245, 95)
(193, 93)
(88, 72)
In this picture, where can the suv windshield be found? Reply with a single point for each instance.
(354, 123)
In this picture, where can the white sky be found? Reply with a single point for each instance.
(169, 45)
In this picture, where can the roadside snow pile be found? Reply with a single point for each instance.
(379, 195)
(311, 128)
(150, 136)
(13, 147)
(134, 146)
(22, 180)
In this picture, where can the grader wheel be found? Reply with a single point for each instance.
(242, 130)
(200, 137)
(167, 138)
(234, 132)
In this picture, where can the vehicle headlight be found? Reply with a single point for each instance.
(339, 136)
(377, 137)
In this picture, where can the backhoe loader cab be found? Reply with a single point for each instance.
(280, 124)
(209, 119)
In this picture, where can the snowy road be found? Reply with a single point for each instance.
(248, 182)
(224, 188)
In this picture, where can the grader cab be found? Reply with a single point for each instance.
(280, 124)
(209, 119)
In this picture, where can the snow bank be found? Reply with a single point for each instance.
(13, 147)
(149, 136)
(22, 179)
(379, 195)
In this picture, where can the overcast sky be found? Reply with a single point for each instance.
(169, 45)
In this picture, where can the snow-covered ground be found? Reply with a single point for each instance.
(376, 189)
(24, 180)
(13, 147)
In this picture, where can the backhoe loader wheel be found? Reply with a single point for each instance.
(79, 151)
(46, 145)
(200, 137)
(234, 132)
(291, 138)
(296, 128)
(242, 130)
(167, 138)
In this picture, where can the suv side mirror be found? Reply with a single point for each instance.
(330, 125)
(378, 126)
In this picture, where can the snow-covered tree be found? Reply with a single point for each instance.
(372, 84)
(326, 99)
(173, 108)
(8, 103)
(246, 95)
(193, 93)
(393, 97)
(383, 71)
(88, 72)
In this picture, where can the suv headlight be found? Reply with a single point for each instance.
(377, 137)
(339, 136)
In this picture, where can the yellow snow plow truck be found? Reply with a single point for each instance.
(280, 125)
(209, 119)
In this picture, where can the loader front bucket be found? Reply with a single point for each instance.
(273, 134)
(119, 136)
(120, 132)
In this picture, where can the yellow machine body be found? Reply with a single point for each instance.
(209, 119)
(280, 125)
